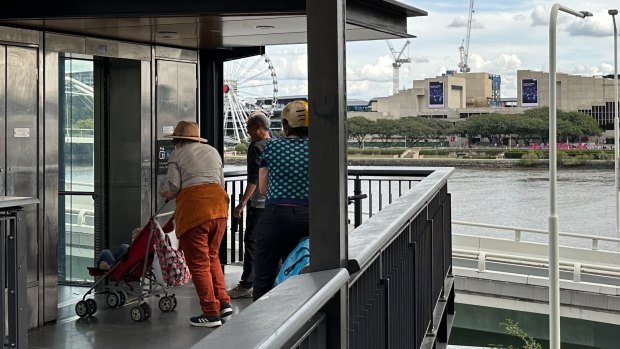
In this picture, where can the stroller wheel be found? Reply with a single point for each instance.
(166, 304)
(174, 302)
(137, 314)
(147, 310)
(82, 309)
(122, 295)
(113, 300)
(92, 306)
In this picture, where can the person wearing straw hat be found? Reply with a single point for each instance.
(195, 179)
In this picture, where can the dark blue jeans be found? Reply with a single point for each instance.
(112, 257)
(277, 233)
(249, 245)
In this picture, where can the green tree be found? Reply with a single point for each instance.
(85, 124)
(386, 129)
(580, 125)
(358, 127)
(241, 147)
(491, 126)
(414, 130)
(513, 329)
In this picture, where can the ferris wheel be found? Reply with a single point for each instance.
(249, 84)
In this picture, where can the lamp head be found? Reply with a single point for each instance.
(613, 12)
(586, 13)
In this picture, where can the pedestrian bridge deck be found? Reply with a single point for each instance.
(513, 274)
(114, 328)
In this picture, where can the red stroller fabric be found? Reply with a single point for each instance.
(131, 267)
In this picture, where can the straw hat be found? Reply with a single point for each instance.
(187, 130)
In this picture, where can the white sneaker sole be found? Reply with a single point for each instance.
(206, 324)
(226, 315)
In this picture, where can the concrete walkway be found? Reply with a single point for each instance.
(114, 328)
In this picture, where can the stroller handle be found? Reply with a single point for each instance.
(165, 214)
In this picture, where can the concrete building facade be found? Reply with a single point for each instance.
(468, 94)
(460, 96)
(590, 95)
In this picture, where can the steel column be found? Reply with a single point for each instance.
(211, 99)
(328, 158)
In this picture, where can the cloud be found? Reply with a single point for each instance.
(290, 62)
(603, 69)
(420, 60)
(598, 26)
(498, 65)
(292, 87)
(520, 18)
(461, 21)
(505, 65)
(363, 89)
(380, 70)
(539, 16)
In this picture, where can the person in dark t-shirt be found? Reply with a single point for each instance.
(253, 201)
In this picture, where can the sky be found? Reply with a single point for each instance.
(506, 35)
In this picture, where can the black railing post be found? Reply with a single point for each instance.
(357, 190)
(388, 314)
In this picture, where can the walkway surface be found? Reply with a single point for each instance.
(114, 328)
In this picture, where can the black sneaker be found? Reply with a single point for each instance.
(226, 311)
(205, 321)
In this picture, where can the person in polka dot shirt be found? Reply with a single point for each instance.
(283, 177)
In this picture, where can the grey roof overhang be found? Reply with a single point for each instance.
(204, 24)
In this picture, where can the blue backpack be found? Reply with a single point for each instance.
(296, 261)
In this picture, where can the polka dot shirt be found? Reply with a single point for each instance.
(287, 161)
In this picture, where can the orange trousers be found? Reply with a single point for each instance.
(201, 246)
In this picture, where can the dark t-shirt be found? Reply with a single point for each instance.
(255, 155)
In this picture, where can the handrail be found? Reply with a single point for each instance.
(578, 267)
(368, 239)
(409, 236)
(540, 261)
(283, 311)
(391, 171)
(517, 230)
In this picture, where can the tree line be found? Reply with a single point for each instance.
(530, 126)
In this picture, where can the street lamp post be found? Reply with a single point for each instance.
(613, 14)
(554, 226)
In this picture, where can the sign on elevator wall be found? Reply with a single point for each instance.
(435, 94)
(529, 93)
(164, 149)
(21, 132)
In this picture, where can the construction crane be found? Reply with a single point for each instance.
(464, 50)
(399, 59)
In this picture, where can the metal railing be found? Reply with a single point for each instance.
(519, 230)
(483, 259)
(404, 258)
(79, 133)
(401, 291)
(371, 189)
(515, 255)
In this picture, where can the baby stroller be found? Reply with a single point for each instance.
(133, 275)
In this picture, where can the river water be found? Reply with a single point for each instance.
(520, 198)
(511, 197)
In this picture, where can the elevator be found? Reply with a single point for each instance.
(82, 126)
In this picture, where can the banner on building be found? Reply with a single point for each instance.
(435, 94)
(529, 93)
